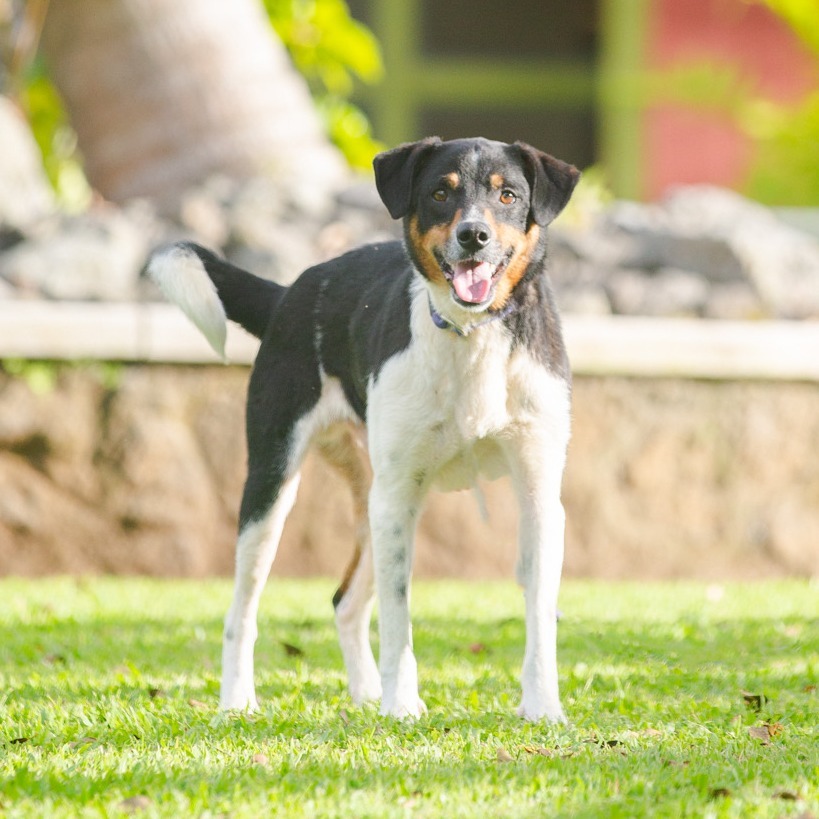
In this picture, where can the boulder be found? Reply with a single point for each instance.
(700, 251)
(95, 256)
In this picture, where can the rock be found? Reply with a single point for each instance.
(651, 237)
(734, 301)
(719, 245)
(204, 215)
(669, 292)
(362, 196)
(25, 193)
(95, 256)
(628, 290)
(782, 262)
(702, 251)
(585, 299)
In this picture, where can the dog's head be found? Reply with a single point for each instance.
(474, 212)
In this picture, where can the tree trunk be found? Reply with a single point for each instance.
(163, 93)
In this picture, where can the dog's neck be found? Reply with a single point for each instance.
(439, 321)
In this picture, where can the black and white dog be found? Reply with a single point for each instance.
(448, 346)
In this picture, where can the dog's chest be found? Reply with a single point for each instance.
(442, 407)
(467, 389)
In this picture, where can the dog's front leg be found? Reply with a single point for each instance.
(393, 512)
(536, 472)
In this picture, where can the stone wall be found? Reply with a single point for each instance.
(138, 469)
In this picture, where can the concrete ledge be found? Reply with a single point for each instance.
(641, 347)
(694, 348)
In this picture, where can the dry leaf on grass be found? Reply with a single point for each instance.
(754, 701)
(503, 755)
(764, 732)
(719, 793)
(292, 651)
(606, 743)
(260, 759)
(760, 732)
(538, 751)
(55, 659)
(135, 803)
(775, 728)
(477, 648)
(197, 703)
(788, 796)
(410, 801)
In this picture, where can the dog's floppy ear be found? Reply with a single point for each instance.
(394, 172)
(551, 180)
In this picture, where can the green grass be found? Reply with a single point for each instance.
(108, 690)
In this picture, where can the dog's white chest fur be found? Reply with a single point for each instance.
(467, 388)
(440, 410)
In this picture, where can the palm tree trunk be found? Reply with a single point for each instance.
(163, 93)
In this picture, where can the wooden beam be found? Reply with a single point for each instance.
(110, 332)
(693, 348)
(638, 347)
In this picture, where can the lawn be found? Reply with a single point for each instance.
(685, 700)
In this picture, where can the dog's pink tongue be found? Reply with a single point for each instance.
(472, 281)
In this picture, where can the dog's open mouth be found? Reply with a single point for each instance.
(472, 280)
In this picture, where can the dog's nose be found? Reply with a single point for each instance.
(473, 235)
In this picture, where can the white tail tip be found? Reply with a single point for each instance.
(182, 277)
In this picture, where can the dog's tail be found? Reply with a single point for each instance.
(210, 290)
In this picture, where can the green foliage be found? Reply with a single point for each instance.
(40, 376)
(590, 198)
(802, 16)
(55, 138)
(686, 700)
(332, 51)
(785, 169)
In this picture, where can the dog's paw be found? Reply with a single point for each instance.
(535, 712)
(366, 691)
(363, 678)
(238, 699)
(412, 708)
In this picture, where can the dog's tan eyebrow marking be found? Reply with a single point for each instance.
(452, 179)
(497, 181)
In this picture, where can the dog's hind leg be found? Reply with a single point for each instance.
(281, 395)
(255, 551)
(344, 447)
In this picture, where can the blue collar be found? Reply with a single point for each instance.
(439, 321)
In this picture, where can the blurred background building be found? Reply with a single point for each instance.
(650, 89)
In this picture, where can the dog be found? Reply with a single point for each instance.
(409, 365)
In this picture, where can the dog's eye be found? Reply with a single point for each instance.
(507, 197)
(440, 195)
